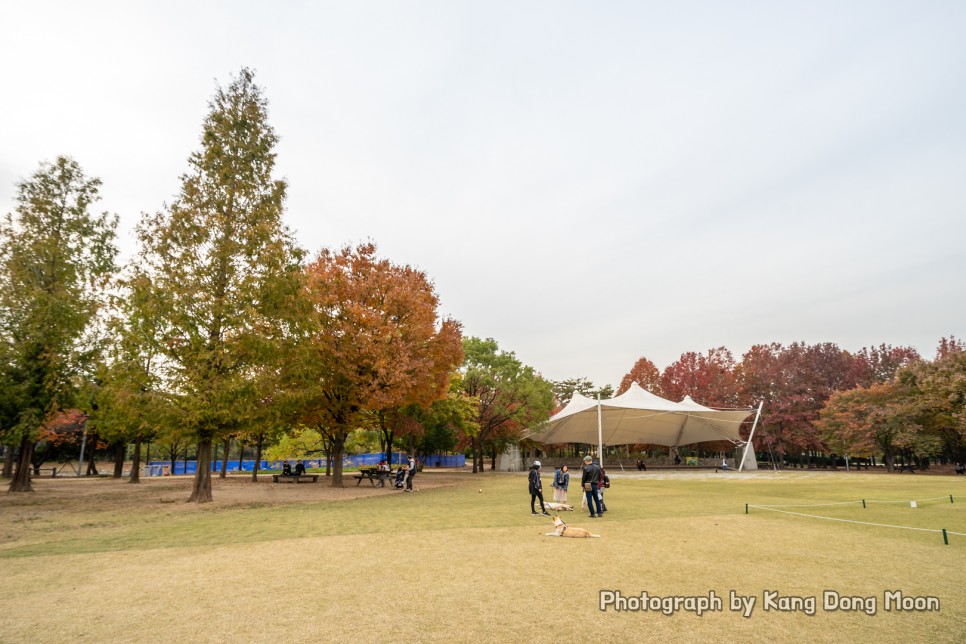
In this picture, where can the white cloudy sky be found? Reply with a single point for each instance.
(586, 182)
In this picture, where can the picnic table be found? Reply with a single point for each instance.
(373, 476)
(292, 478)
(906, 466)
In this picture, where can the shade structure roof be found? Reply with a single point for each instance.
(637, 417)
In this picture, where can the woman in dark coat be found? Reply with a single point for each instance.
(536, 488)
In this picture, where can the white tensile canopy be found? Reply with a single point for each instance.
(638, 416)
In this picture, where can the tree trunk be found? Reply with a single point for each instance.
(136, 462)
(225, 451)
(258, 458)
(201, 490)
(8, 461)
(338, 449)
(21, 478)
(388, 436)
(889, 460)
(120, 451)
(475, 461)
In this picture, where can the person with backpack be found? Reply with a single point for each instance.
(604, 484)
(590, 481)
(536, 488)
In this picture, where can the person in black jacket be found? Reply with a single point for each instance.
(536, 488)
(590, 481)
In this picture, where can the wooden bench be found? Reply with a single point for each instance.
(302, 478)
(903, 468)
(685, 467)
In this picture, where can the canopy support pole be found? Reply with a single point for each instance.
(600, 435)
(750, 436)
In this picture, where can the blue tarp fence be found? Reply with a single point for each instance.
(161, 468)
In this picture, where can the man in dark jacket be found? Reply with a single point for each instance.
(591, 480)
(536, 488)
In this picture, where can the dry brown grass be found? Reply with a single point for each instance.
(97, 561)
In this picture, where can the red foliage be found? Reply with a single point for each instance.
(709, 379)
(645, 374)
(64, 427)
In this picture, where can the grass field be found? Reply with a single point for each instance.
(99, 561)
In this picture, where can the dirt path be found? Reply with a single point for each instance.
(173, 491)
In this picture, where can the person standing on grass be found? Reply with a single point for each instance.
(412, 473)
(601, 486)
(556, 486)
(590, 481)
(536, 488)
(564, 484)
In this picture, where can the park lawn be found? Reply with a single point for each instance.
(455, 563)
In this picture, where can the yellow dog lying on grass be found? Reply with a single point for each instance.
(557, 507)
(561, 529)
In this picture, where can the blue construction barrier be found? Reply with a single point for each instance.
(162, 468)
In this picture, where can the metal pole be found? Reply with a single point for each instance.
(750, 436)
(80, 461)
(600, 435)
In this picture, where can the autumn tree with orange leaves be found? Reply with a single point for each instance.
(645, 374)
(376, 345)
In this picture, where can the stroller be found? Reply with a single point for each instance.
(400, 479)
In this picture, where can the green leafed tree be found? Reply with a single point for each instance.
(564, 390)
(132, 404)
(225, 274)
(55, 259)
(512, 396)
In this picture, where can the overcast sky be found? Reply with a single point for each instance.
(587, 183)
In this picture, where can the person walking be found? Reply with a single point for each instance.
(590, 481)
(536, 488)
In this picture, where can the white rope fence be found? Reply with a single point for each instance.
(775, 508)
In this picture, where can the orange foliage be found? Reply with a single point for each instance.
(381, 345)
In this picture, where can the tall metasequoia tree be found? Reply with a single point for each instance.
(226, 274)
(55, 258)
